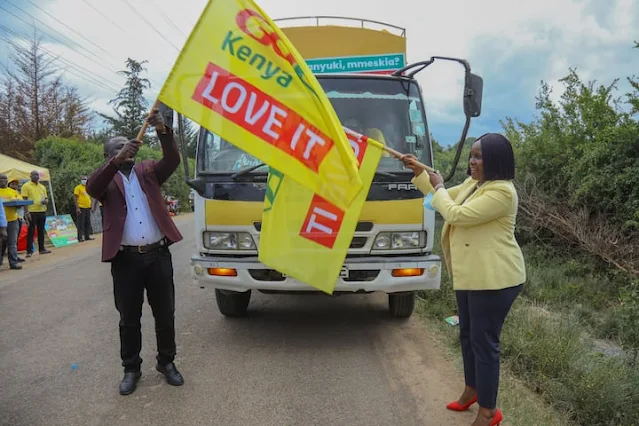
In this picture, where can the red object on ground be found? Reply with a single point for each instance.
(22, 237)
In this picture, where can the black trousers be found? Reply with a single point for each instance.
(481, 317)
(38, 220)
(84, 224)
(132, 274)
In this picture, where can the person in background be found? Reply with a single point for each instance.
(3, 223)
(37, 212)
(136, 239)
(15, 185)
(95, 204)
(10, 244)
(82, 202)
(484, 259)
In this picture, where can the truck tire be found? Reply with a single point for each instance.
(232, 303)
(401, 305)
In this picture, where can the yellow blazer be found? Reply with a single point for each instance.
(478, 237)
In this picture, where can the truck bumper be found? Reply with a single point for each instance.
(366, 274)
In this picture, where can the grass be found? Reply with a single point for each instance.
(521, 406)
(552, 372)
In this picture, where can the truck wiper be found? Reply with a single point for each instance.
(247, 170)
(387, 174)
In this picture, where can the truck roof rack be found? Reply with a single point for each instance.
(360, 23)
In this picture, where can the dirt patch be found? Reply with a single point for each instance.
(414, 363)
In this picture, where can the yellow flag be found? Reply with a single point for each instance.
(240, 77)
(303, 235)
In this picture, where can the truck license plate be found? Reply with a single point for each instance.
(344, 272)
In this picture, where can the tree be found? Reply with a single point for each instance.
(191, 133)
(130, 106)
(36, 102)
(633, 98)
(444, 157)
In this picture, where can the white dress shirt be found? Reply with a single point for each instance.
(140, 227)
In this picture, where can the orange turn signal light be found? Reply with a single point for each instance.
(408, 272)
(223, 272)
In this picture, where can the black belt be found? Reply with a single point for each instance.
(147, 248)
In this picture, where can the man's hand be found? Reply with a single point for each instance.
(128, 152)
(155, 120)
(77, 210)
(3, 234)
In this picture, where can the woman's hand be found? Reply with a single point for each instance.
(410, 161)
(435, 179)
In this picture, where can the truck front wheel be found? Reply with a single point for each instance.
(232, 303)
(401, 305)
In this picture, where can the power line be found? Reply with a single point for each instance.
(105, 84)
(48, 26)
(71, 29)
(63, 43)
(105, 17)
(175, 27)
(150, 25)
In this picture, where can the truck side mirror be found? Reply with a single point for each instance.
(198, 184)
(473, 91)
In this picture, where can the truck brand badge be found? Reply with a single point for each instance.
(401, 187)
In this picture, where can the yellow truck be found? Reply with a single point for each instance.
(363, 70)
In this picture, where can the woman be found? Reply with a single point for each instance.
(484, 259)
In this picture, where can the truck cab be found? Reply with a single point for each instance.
(392, 248)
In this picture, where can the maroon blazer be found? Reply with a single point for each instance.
(105, 185)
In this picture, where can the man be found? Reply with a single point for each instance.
(3, 223)
(37, 212)
(83, 210)
(13, 225)
(15, 185)
(135, 240)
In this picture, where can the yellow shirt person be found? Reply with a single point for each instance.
(9, 194)
(37, 193)
(83, 199)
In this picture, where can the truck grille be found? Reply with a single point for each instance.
(354, 275)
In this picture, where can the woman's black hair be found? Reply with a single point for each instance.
(498, 157)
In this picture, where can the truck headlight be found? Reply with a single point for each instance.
(399, 240)
(228, 241)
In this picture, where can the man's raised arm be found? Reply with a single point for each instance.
(170, 160)
(98, 182)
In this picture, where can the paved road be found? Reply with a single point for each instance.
(295, 361)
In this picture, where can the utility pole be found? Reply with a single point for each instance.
(185, 159)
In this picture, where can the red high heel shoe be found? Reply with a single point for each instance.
(497, 418)
(456, 406)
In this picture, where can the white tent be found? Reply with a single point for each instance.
(21, 170)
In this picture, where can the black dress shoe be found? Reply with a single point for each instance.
(45, 251)
(20, 260)
(173, 376)
(129, 382)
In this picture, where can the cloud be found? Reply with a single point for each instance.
(512, 45)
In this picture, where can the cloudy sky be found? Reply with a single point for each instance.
(513, 45)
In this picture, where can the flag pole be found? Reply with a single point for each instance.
(145, 125)
(399, 155)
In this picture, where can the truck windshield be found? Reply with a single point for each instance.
(387, 110)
